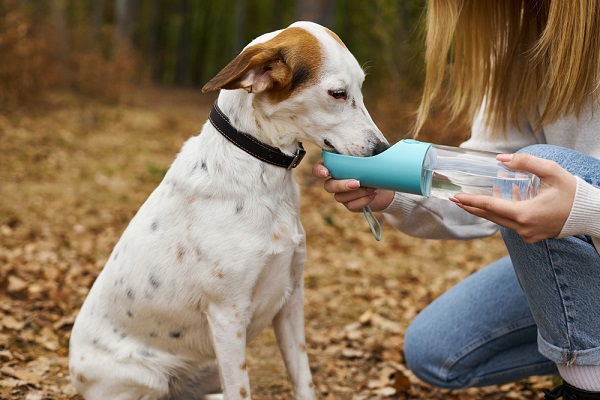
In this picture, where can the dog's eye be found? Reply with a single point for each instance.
(338, 94)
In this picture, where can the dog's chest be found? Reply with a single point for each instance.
(213, 231)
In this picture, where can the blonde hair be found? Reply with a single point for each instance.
(515, 54)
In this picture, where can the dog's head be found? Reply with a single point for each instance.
(305, 85)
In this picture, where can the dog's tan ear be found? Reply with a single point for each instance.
(256, 69)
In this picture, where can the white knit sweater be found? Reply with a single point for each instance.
(441, 219)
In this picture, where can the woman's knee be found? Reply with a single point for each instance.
(576, 162)
(548, 151)
(424, 358)
(445, 345)
(418, 356)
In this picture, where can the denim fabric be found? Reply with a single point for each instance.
(561, 277)
(582, 165)
(481, 332)
(499, 325)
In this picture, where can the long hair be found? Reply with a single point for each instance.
(514, 54)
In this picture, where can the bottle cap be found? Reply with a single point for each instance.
(399, 168)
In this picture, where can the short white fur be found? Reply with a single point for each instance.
(216, 252)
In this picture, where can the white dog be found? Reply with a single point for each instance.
(216, 253)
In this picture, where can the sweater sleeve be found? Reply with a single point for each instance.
(433, 218)
(584, 218)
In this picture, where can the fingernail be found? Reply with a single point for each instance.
(323, 173)
(454, 200)
(504, 157)
(353, 184)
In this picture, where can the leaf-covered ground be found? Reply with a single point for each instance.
(73, 173)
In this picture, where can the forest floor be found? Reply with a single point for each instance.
(74, 172)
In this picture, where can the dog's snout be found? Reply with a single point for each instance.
(380, 147)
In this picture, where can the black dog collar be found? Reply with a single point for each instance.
(253, 146)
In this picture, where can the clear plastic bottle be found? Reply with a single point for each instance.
(432, 170)
(451, 170)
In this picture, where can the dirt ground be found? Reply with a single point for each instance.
(74, 172)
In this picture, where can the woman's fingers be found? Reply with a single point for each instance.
(493, 209)
(337, 186)
(349, 192)
(541, 167)
(320, 171)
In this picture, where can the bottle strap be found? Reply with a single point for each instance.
(375, 228)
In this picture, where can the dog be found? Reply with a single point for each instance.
(216, 252)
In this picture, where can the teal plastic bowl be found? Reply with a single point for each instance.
(399, 168)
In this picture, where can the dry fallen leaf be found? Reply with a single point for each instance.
(401, 382)
(27, 376)
(16, 284)
(10, 322)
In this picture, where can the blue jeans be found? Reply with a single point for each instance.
(519, 316)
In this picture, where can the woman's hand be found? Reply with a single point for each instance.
(537, 219)
(351, 194)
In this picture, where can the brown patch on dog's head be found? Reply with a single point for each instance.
(279, 66)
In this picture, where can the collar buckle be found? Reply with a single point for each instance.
(297, 157)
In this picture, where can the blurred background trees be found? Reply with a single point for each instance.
(101, 47)
(105, 49)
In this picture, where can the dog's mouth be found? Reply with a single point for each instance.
(329, 147)
(379, 147)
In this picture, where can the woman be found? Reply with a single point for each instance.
(527, 73)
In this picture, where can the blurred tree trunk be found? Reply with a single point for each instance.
(240, 26)
(319, 11)
(150, 37)
(123, 21)
(97, 7)
(59, 17)
(277, 15)
(182, 75)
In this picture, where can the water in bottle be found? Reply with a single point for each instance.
(450, 170)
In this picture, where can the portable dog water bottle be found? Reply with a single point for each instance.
(432, 170)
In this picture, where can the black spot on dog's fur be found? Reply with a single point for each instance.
(154, 282)
(181, 252)
(239, 206)
(154, 226)
(130, 294)
(175, 334)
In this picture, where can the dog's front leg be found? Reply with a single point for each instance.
(228, 331)
(289, 331)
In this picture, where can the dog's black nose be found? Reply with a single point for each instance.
(380, 148)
